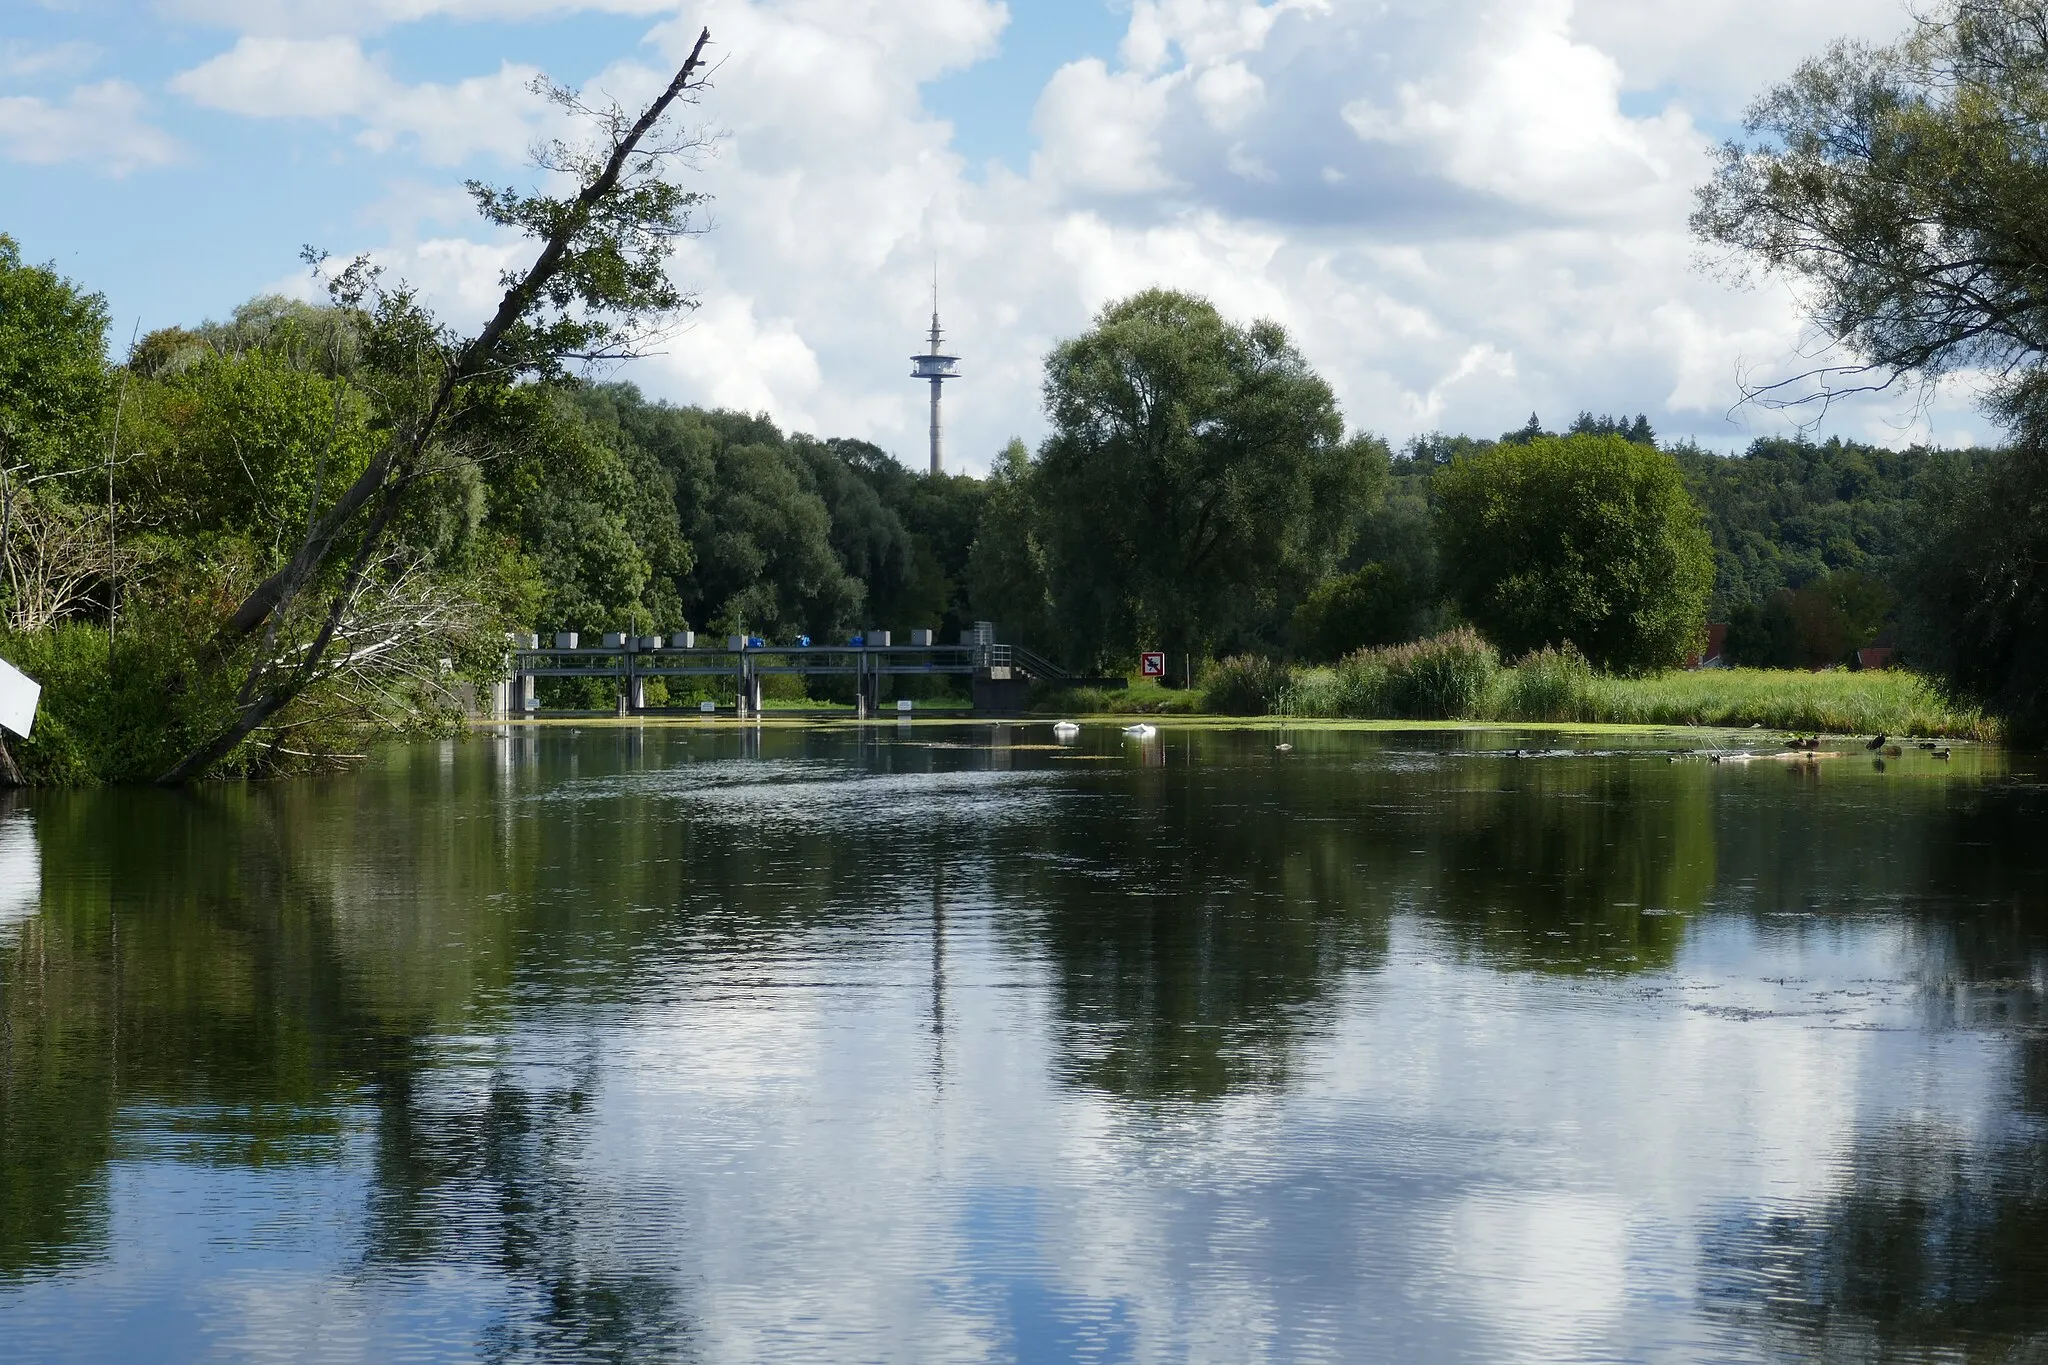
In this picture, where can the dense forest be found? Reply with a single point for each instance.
(600, 510)
(1814, 543)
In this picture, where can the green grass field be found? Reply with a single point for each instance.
(1840, 702)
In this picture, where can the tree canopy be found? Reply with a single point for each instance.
(54, 386)
(1902, 186)
(1591, 541)
(1196, 475)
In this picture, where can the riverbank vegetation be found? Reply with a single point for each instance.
(567, 506)
(1458, 676)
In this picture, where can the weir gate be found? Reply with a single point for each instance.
(1000, 676)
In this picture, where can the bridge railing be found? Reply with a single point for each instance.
(634, 661)
(1025, 660)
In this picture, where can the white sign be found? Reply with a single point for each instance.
(903, 705)
(18, 696)
(1152, 664)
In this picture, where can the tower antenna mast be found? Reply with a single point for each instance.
(937, 368)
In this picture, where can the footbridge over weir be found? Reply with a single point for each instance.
(1000, 675)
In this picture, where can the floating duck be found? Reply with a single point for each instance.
(1140, 731)
(1943, 754)
(1283, 748)
(1066, 729)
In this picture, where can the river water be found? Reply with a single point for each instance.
(951, 1043)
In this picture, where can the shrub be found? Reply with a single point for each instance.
(91, 727)
(1244, 686)
(1554, 683)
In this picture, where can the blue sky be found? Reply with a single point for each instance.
(1462, 209)
(226, 214)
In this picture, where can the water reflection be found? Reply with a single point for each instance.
(1605, 859)
(945, 1044)
(1937, 1247)
(21, 864)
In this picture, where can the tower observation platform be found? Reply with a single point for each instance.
(936, 367)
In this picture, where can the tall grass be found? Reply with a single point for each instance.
(1243, 686)
(1446, 677)
(1554, 684)
(1840, 702)
(1456, 676)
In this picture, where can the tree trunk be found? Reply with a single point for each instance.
(10, 771)
(394, 469)
(261, 708)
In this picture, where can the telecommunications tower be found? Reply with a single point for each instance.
(935, 367)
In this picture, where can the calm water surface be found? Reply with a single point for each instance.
(951, 1044)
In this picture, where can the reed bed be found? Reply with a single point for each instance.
(1456, 676)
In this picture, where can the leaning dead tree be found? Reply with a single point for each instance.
(591, 292)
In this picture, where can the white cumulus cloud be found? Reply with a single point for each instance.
(103, 126)
(319, 18)
(1463, 209)
(333, 78)
(25, 61)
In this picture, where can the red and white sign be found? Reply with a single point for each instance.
(1152, 664)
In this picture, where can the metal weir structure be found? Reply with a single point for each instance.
(1000, 674)
(937, 368)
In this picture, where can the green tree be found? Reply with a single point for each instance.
(1787, 512)
(941, 514)
(1902, 186)
(1374, 605)
(1977, 615)
(1640, 431)
(595, 512)
(747, 503)
(1197, 477)
(867, 535)
(1591, 541)
(1814, 626)
(1006, 569)
(54, 385)
(54, 394)
(598, 275)
(245, 445)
